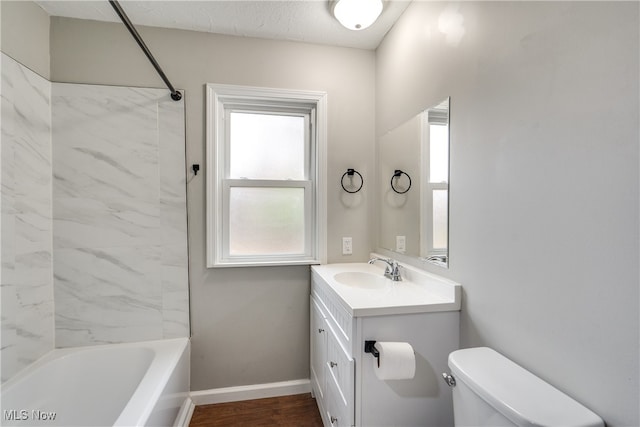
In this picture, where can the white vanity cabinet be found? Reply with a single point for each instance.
(332, 368)
(343, 381)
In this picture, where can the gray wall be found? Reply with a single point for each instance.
(24, 34)
(544, 179)
(249, 325)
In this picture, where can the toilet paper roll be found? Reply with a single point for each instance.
(397, 361)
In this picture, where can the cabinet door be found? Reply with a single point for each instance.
(318, 348)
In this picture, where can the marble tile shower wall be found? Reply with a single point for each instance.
(93, 216)
(26, 278)
(119, 215)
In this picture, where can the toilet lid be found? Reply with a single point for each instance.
(516, 393)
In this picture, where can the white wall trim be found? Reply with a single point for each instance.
(248, 392)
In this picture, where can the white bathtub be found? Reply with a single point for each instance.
(136, 384)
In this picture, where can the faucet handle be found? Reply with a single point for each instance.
(391, 269)
(395, 272)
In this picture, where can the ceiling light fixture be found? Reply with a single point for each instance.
(357, 14)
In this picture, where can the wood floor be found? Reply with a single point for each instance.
(295, 411)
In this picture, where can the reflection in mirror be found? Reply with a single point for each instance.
(434, 230)
(416, 223)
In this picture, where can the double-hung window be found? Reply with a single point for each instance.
(265, 194)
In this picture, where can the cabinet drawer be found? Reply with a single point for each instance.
(340, 369)
(338, 412)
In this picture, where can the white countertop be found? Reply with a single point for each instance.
(418, 292)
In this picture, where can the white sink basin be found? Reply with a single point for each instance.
(364, 291)
(359, 279)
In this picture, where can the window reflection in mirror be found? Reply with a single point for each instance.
(435, 192)
(416, 223)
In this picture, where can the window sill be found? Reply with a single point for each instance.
(283, 263)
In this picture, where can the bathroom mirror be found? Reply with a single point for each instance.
(414, 204)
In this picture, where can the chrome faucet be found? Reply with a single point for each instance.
(392, 270)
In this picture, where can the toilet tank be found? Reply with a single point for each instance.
(491, 390)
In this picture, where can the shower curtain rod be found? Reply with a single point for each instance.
(175, 95)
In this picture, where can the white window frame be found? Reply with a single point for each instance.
(426, 223)
(224, 98)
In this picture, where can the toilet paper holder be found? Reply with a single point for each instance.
(370, 347)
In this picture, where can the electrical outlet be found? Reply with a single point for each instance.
(401, 243)
(347, 246)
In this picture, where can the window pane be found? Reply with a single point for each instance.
(266, 221)
(266, 146)
(438, 153)
(440, 225)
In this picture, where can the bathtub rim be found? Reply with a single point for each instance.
(151, 387)
(167, 354)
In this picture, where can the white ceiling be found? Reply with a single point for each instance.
(299, 20)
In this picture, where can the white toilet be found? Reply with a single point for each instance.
(491, 390)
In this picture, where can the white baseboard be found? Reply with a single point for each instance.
(185, 414)
(248, 392)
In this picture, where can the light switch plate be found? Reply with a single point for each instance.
(401, 243)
